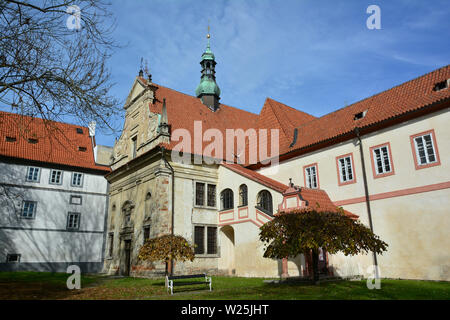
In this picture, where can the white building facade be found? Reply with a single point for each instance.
(52, 214)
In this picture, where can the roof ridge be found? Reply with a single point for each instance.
(288, 106)
(194, 97)
(43, 119)
(376, 94)
(278, 118)
(281, 187)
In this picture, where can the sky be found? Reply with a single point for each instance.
(315, 56)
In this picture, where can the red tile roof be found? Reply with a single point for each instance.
(252, 175)
(56, 142)
(316, 199)
(409, 96)
(183, 110)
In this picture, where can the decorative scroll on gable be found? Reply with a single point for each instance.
(140, 126)
(291, 199)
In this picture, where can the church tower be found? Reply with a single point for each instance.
(208, 90)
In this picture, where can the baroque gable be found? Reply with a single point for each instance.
(141, 126)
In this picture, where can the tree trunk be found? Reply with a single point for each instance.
(315, 265)
(171, 267)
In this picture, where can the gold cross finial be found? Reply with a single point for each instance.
(208, 35)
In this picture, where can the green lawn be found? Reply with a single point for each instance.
(31, 285)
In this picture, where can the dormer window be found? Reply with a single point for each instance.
(360, 115)
(11, 139)
(441, 85)
(82, 149)
(79, 131)
(33, 141)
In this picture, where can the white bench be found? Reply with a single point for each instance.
(170, 281)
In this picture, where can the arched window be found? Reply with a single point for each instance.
(243, 195)
(226, 199)
(264, 201)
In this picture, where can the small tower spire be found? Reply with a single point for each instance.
(208, 90)
(141, 72)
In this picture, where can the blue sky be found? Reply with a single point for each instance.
(316, 56)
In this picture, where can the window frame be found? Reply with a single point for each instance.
(205, 235)
(8, 255)
(372, 149)
(338, 167)
(241, 192)
(34, 210)
(205, 196)
(230, 193)
(305, 175)
(262, 209)
(28, 174)
(82, 180)
(50, 177)
(144, 229)
(68, 220)
(76, 196)
(437, 162)
(134, 146)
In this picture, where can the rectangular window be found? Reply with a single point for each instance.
(311, 177)
(73, 221)
(13, 258)
(199, 240)
(425, 151)
(212, 240)
(56, 176)
(134, 142)
(199, 194)
(111, 244)
(382, 160)
(28, 209)
(205, 194)
(77, 179)
(78, 200)
(345, 169)
(211, 195)
(146, 233)
(205, 240)
(33, 174)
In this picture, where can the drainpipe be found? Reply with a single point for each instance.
(366, 191)
(173, 197)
